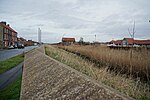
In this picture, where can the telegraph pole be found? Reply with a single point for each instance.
(95, 37)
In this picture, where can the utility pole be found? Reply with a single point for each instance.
(95, 37)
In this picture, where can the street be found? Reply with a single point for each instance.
(6, 54)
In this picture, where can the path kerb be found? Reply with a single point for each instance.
(47, 79)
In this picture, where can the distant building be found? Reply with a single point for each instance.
(68, 41)
(26, 42)
(116, 42)
(142, 42)
(22, 41)
(130, 42)
(39, 36)
(8, 36)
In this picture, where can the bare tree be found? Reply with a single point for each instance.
(133, 31)
(131, 51)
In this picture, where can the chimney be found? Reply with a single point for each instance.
(8, 25)
(3, 22)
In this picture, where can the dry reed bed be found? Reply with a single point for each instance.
(131, 62)
(128, 86)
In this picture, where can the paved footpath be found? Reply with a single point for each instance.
(9, 76)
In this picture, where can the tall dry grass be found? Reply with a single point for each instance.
(131, 62)
(128, 86)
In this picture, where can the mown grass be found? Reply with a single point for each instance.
(10, 63)
(129, 86)
(12, 92)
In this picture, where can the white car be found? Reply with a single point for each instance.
(11, 47)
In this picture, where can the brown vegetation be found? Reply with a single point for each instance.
(129, 86)
(135, 63)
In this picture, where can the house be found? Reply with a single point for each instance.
(22, 41)
(129, 42)
(116, 42)
(145, 43)
(68, 41)
(8, 36)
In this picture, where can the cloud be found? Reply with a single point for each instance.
(77, 18)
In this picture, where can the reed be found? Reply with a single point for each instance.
(127, 85)
(135, 63)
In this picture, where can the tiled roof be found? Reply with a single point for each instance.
(116, 42)
(142, 42)
(8, 27)
(130, 40)
(68, 39)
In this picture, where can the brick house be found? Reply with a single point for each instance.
(130, 42)
(68, 41)
(117, 42)
(8, 36)
(142, 42)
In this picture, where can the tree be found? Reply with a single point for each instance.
(81, 40)
(133, 31)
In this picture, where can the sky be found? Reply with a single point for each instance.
(107, 19)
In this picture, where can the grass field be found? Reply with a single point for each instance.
(12, 92)
(10, 63)
(127, 85)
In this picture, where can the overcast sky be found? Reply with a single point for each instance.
(107, 19)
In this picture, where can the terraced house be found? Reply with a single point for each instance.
(8, 36)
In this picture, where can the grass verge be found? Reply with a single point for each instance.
(10, 63)
(12, 92)
(128, 86)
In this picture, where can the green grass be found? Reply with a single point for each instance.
(10, 63)
(12, 92)
(144, 98)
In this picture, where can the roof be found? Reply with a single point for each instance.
(8, 27)
(68, 39)
(116, 42)
(130, 40)
(141, 42)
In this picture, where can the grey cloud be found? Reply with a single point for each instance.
(108, 19)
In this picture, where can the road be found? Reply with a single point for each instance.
(6, 54)
(10, 76)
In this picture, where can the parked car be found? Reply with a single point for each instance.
(15, 46)
(11, 47)
(20, 46)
